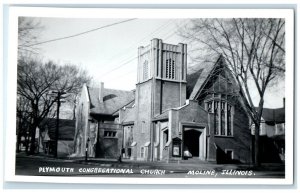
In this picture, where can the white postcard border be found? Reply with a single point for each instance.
(10, 123)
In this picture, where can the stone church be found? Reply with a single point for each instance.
(171, 115)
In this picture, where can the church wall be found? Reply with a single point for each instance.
(127, 140)
(172, 95)
(81, 124)
(192, 115)
(240, 142)
(109, 140)
(141, 131)
(222, 89)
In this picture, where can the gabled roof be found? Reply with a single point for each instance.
(274, 115)
(113, 100)
(203, 76)
(128, 115)
(191, 80)
(66, 129)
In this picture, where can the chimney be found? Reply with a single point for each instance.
(283, 102)
(101, 90)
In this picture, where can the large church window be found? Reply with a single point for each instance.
(229, 120)
(216, 117)
(222, 117)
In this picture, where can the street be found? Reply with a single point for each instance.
(41, 166)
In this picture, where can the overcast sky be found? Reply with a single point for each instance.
(110, 54)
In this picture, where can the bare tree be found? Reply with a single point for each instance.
(29, 30)
(254, 51)
(36, 80)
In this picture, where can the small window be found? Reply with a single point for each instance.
(229, 154)
(145, 70)
(209, 107)
(143, 127)
(167, 68)
(142, 152)
(110, 133)
(110, 96)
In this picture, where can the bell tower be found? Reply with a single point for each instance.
(166, 66)
(161, 85)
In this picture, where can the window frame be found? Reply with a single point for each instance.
(111, 134)
(219, 106)
(142, 152)
(170, 69)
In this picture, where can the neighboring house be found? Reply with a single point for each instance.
(97, 125)
(272, 135)
(47, 136)
(170, 116)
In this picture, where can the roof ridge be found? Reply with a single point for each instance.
(111, 89)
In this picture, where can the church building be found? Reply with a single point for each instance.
(171, 115)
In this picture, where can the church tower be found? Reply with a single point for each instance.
(161, 85)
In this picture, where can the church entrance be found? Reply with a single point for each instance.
(194, 143)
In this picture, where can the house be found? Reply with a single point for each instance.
(46, 136)
(272, 135)
(97, 124)
(170, 116)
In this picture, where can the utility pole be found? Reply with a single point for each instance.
(59, 97)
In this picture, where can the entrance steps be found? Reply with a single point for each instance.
(194, 160)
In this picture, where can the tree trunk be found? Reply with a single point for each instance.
(32, 140)
(257, 146)
(19, 135)
(18, 139)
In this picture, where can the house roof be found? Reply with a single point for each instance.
(66, 129)
(128, 116)
(164, 115)
(112, 100)
(274, 115)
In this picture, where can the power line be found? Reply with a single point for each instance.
(152, 59)
(139, 41)
(82, 33)
(130, 60)
(117, 67)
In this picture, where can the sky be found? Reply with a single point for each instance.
(110, 54)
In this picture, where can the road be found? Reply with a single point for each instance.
(40, 166)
